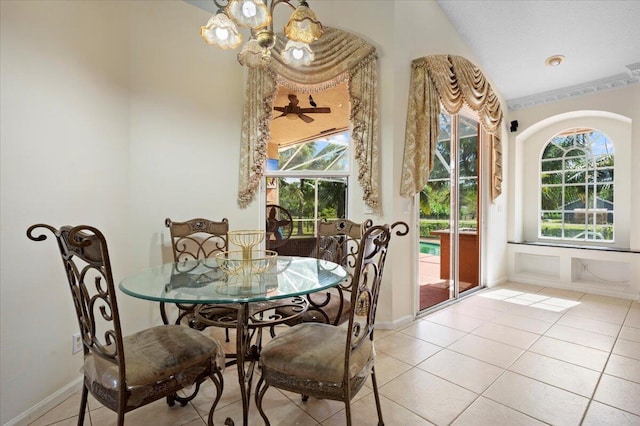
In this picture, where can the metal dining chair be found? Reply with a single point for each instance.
(328, 362)
(127, 372)
(338, 240)
(192, 240)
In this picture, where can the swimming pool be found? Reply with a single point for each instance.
(430, 248)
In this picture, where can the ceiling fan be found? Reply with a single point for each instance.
(294, 110)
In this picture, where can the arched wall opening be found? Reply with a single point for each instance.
(526, 173)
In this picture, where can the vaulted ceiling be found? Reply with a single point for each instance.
(511, 39)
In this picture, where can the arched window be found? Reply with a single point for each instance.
(576, 187)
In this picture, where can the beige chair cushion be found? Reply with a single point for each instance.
(155, 354)
(314, 351)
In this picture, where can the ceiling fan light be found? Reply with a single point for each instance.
(249, 13)
(253, 55)
(303, 26)
(222, 32)
(297, 54)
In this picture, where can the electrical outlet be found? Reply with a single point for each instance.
(77, 343)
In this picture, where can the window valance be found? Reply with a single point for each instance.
(339, 56)
(452, 81)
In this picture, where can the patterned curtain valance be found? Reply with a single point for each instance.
(339, 56)
(453, 82)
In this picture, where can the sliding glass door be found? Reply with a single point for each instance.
(449, 258)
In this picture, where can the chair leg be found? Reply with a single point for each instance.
(226, 331)
(347, 409)
(83, 405)
(218, 380)
(377, 396)
(260, 391)
(121, 417)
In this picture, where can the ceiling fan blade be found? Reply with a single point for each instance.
(314, 110)
(305, 118)
(278, 108)
(281, 115)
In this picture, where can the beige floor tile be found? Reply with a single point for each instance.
(531, 298)
(477, 312)
(561, 374)
(526, 288)
(559, 293)
(604, 300)
(433, 333)
(454, 320)
(602, 327)
(619, 393)
(230, 394)
(462, 370)
(523, 323)
(486, 350)
(485, 301)
(581, 337)
(507, 335)
(363, 413)
(571, 352)
(406, 348)
(627, 348)
(503, 292)
(633, 318)
(67, 409)
(603, 415)
(157, 413)
(551, 314)
(322, 409)
(542, 306)
(559, 302)
(539, 400)
(198, 422)
(484, 412)
(630, 333)
(431, 397)
(388, 368)
(624, 368)
(279, 409)
(601, 312)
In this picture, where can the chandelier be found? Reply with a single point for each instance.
(301, 30)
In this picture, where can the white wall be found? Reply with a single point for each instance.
(123, 102)
(186, 110)
(64, 160)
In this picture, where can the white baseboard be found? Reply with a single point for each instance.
(395, 324)
(46, 404)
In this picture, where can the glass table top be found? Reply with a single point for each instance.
(203, 282)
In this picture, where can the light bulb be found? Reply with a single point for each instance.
(222, 33)
(297, 53)
(249, 9)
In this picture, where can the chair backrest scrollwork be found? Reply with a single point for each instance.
(86, 262)
(197, 238)
(367, 278)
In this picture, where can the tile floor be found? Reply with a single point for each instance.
(511, 355)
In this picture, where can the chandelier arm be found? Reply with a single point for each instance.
(221, 4)
(274, 3)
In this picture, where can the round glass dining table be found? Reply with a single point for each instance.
(202, 283)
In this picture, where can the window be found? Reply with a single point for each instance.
(576, 187)
(310, 180)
